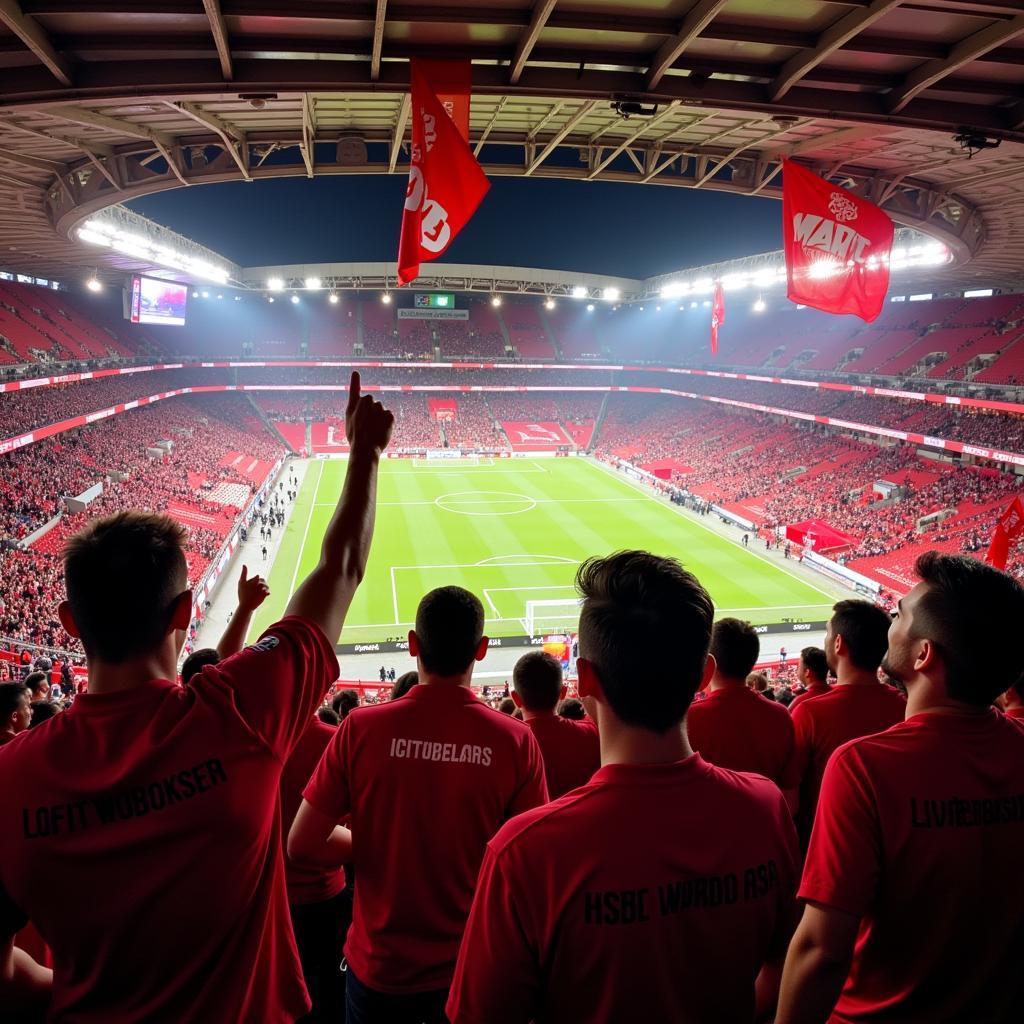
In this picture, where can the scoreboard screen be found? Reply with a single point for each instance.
(434, 300)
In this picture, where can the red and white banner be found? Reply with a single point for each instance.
(837, 246)
(1007, 530)
(717, 317)
(446, 183)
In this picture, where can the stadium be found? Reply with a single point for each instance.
(710, 407)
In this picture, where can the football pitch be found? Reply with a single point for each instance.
(514, 532)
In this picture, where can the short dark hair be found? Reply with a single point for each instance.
(815, 662)
(36, 680)
(537, 678)
(42, 711)
(403, 684)
(735, 647)
(11, 695)
(507, 706)
(196, 662)
(123, 573)
(645, 626)
(449, 625)
(571, 708)
(344, 702)
(864, 628)
(970, 612)
(328, 716)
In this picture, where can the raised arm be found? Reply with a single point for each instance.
(24, 985)
(251, 594)
(326, 593)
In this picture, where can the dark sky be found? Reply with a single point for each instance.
(596, 227)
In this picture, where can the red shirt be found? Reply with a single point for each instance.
(1015, 713)
(143, 839)
(825, 723)
(738, 729)
(814, 690)
(307, 883)
(427, 780)
(920, 833)
(571, 751)
(653, 893)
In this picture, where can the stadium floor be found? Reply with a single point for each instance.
(513, 531)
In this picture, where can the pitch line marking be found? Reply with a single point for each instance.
(498, 560)
(394, 594)
(305, 533)
(536, 501)
(696, 522)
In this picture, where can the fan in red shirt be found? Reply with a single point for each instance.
(571, 750)
(858, 705)
(659, 890)
(736, 728)
(426, 781)
(1013, 700)
(15, 710)
(812, 673)
(913, 889)
(143, 838)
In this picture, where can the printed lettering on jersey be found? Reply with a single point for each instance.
(266, 644)
(961, 812)
(443, 753)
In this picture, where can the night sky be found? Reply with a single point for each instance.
(592, 227)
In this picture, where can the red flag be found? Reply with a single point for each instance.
(1007, 530)
(446, 183)
(717, 317)
(837, 246)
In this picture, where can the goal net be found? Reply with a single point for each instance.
(552, 616)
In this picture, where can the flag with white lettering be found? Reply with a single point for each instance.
(717, 317)
(837, 245)
(446, 184)
(1007, 530)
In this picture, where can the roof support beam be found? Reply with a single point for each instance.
(96, 149)
(490, 125)
(399, 133)
(698, 17)
(32, 35)
(835, 36)
(308, 134)
(220, 37)
(733, 153)
(659, 167)
(840, 137)
(378, 38)
(541, 12)
(35, 163)
(964, 52)
(562, 132)
(542, 123)
(234, 140)
(646, 126)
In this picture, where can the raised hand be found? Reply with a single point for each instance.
(368, 424)
(251, 592)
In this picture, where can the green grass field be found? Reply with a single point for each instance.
(513, 531)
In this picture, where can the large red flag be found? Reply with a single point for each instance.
(717, 317)
(837, 245)
(1007, 530)
(446, 183)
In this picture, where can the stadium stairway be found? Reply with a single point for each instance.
(270, 425)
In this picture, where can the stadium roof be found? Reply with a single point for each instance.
(106, 100)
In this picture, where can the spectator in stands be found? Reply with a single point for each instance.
(403, 684)
(328, 716)
(197, 661)
(858, 705)
(919, 836)
(166, 781)
(43, 711)
(610, 903)
(732, 727)
(571, 750)
(434, 773)
(15, 711)
(812, 674)
(345, 702)
(572, 709)
(758, 682)
(507, 706)
(38, 685)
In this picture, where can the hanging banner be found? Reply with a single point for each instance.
(717, 317)
(1007, 530)
(837, 246)
(446, 183)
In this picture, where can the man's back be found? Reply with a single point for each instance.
(737, 729)
(653, 893)
(165, 801)
(920, 831)
(427, 780)
(814, 690)
(571, 751)
(825, 723)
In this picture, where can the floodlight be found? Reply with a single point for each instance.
(590, 307)
(386, 298)
(549, 304)
(760, 306)
(313, 283)
(611, 294)
(295, 300)
(275, 284)
(333, 298)
(495, 301)
(579, 292)
(94, 284)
